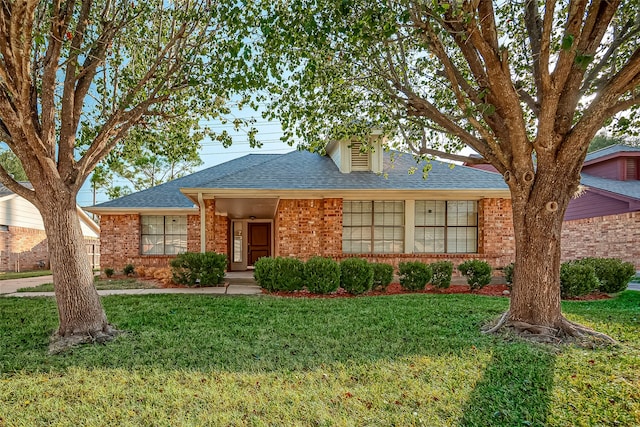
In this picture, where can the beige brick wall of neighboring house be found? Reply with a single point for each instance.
(612, 236)
(23, 249)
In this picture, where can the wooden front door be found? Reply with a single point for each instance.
(259, 241)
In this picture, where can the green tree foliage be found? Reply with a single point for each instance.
(149, 157)
(603, 141)
(12, 165)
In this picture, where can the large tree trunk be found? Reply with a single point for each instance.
(536, 282)
(538, 213)
(82, 318)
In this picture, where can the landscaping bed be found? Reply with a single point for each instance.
(395, 289)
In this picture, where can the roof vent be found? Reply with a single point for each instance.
(359, 159)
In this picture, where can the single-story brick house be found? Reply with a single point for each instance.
(23, 241)
(300, 204)
(605, 220)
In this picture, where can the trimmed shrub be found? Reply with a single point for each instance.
(442, 272)
(322, 275)
(279, 274)
(508, 274)
(577, 279)
(356, 275)
(414, 276)
(478, 273)
(613, 274)
(128, 269)
(198, 269)
(109, 272)
(382, 275)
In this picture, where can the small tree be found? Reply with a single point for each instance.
(75, 78)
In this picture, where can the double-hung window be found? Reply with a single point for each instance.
(373, 227)
(446, 226)
(163, 235)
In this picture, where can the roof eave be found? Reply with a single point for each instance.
(612, 156)
(354, 194)
(141, 210)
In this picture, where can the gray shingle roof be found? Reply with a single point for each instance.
(302, 170)
(4, 191)
(624, 188)
(607, 151)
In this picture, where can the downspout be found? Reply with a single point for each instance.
(203, 224)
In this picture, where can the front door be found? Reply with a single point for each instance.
(259, 241)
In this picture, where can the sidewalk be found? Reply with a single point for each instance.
(8, 288)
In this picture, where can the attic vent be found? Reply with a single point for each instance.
(632, 169)
(359, 160)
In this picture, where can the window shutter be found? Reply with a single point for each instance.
(359, 160)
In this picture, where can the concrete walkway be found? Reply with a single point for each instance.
(8, 288)
(12, 285)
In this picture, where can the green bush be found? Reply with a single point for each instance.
(382, 275)
(414, 276)
(613, 274)
(279, 274)
(356, 275)
(109, 272)
(478, 273)
(577, 279)
(198, 269)
(128, 269)
(442, 272)
(322, 275)
(508, 274)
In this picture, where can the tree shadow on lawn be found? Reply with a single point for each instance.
(515, 390)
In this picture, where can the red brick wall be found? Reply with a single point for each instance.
(332, 227)
(305, 228)
(217, 229)
(193, 233)
(495, 231)
(612, 236)
(299, 228)
(120, 239)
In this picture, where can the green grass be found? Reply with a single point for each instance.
(24, 274)
(101, 284)
(396, 360)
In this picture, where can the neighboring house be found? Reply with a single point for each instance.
(301, 204)
(23, 242)
(604, 221)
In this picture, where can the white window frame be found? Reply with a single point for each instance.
(167, 240)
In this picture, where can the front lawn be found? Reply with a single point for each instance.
(393, 360)
(9, 275)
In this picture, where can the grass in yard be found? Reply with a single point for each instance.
(400, 360)
(23, 274)
(100, 284)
